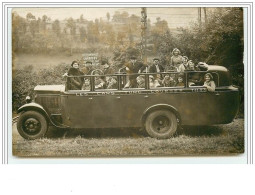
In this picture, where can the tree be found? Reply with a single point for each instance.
(56, 27)
(161, 26)
(81, 18)
(30, 17)
(44, 21)
(82, 34)
(72, 26)
(108, 16)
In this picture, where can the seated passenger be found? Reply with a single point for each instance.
(133, 67)
(195, 78)
(154, 82)
(156, 68)
(107, 69)
(140, 81)
(111, 83)
(180, 82)
(191, 66)
(209, 83)
(184, 65)
(99, 82)
(168, 81)
(74, 83)
(86, 85)
(88, 68)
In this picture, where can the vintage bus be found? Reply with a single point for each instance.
(160, 110)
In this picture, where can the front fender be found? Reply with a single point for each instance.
(37, 107)
(33, 106)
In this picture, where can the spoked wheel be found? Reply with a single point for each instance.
(161, 124)
(32, 125)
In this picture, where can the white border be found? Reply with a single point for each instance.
(152, 160)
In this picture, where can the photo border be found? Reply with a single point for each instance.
(6, 136)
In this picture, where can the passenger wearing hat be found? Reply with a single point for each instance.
(107, 69)
(133, 67)
(88, 68)
(74, 82)
(111, 82)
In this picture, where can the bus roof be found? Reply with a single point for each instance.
(217, 68)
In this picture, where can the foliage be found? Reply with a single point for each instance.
(219, 41)
(25, 80)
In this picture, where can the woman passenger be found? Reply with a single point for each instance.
(176, 59)
(209, 83)
(76, 82)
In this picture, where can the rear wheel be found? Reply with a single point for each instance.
(32, 125)
(161, 124)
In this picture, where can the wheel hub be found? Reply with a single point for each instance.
(161, 124)
(32, 125)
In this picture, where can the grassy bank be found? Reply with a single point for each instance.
(214, 140)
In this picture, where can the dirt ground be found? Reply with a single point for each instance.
(212, 140)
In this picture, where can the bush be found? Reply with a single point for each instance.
(25, 80)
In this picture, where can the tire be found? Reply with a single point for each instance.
(161, 124)
(32, 125)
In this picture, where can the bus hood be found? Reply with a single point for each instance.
(50, 88)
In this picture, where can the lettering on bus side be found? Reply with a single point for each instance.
(156, 91)
(198, 90)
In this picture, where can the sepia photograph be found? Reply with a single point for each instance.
(97, 82)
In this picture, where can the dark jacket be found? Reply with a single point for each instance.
(153, 68)
(74, 83)
(134, 68)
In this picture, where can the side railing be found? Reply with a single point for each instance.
(122, 78)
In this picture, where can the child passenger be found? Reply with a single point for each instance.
(153, 82)
(99, 82)
(180, 82)
(168, 81)
(111, 83)
(209, 83)
(140, 81)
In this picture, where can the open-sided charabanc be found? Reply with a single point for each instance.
(160, 110)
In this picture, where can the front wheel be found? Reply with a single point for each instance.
(32, 125)
(161, 124)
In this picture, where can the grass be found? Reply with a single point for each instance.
(214, 140)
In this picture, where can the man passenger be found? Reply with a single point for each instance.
(88, 68)
(133, 67)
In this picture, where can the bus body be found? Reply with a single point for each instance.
(160, 110)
